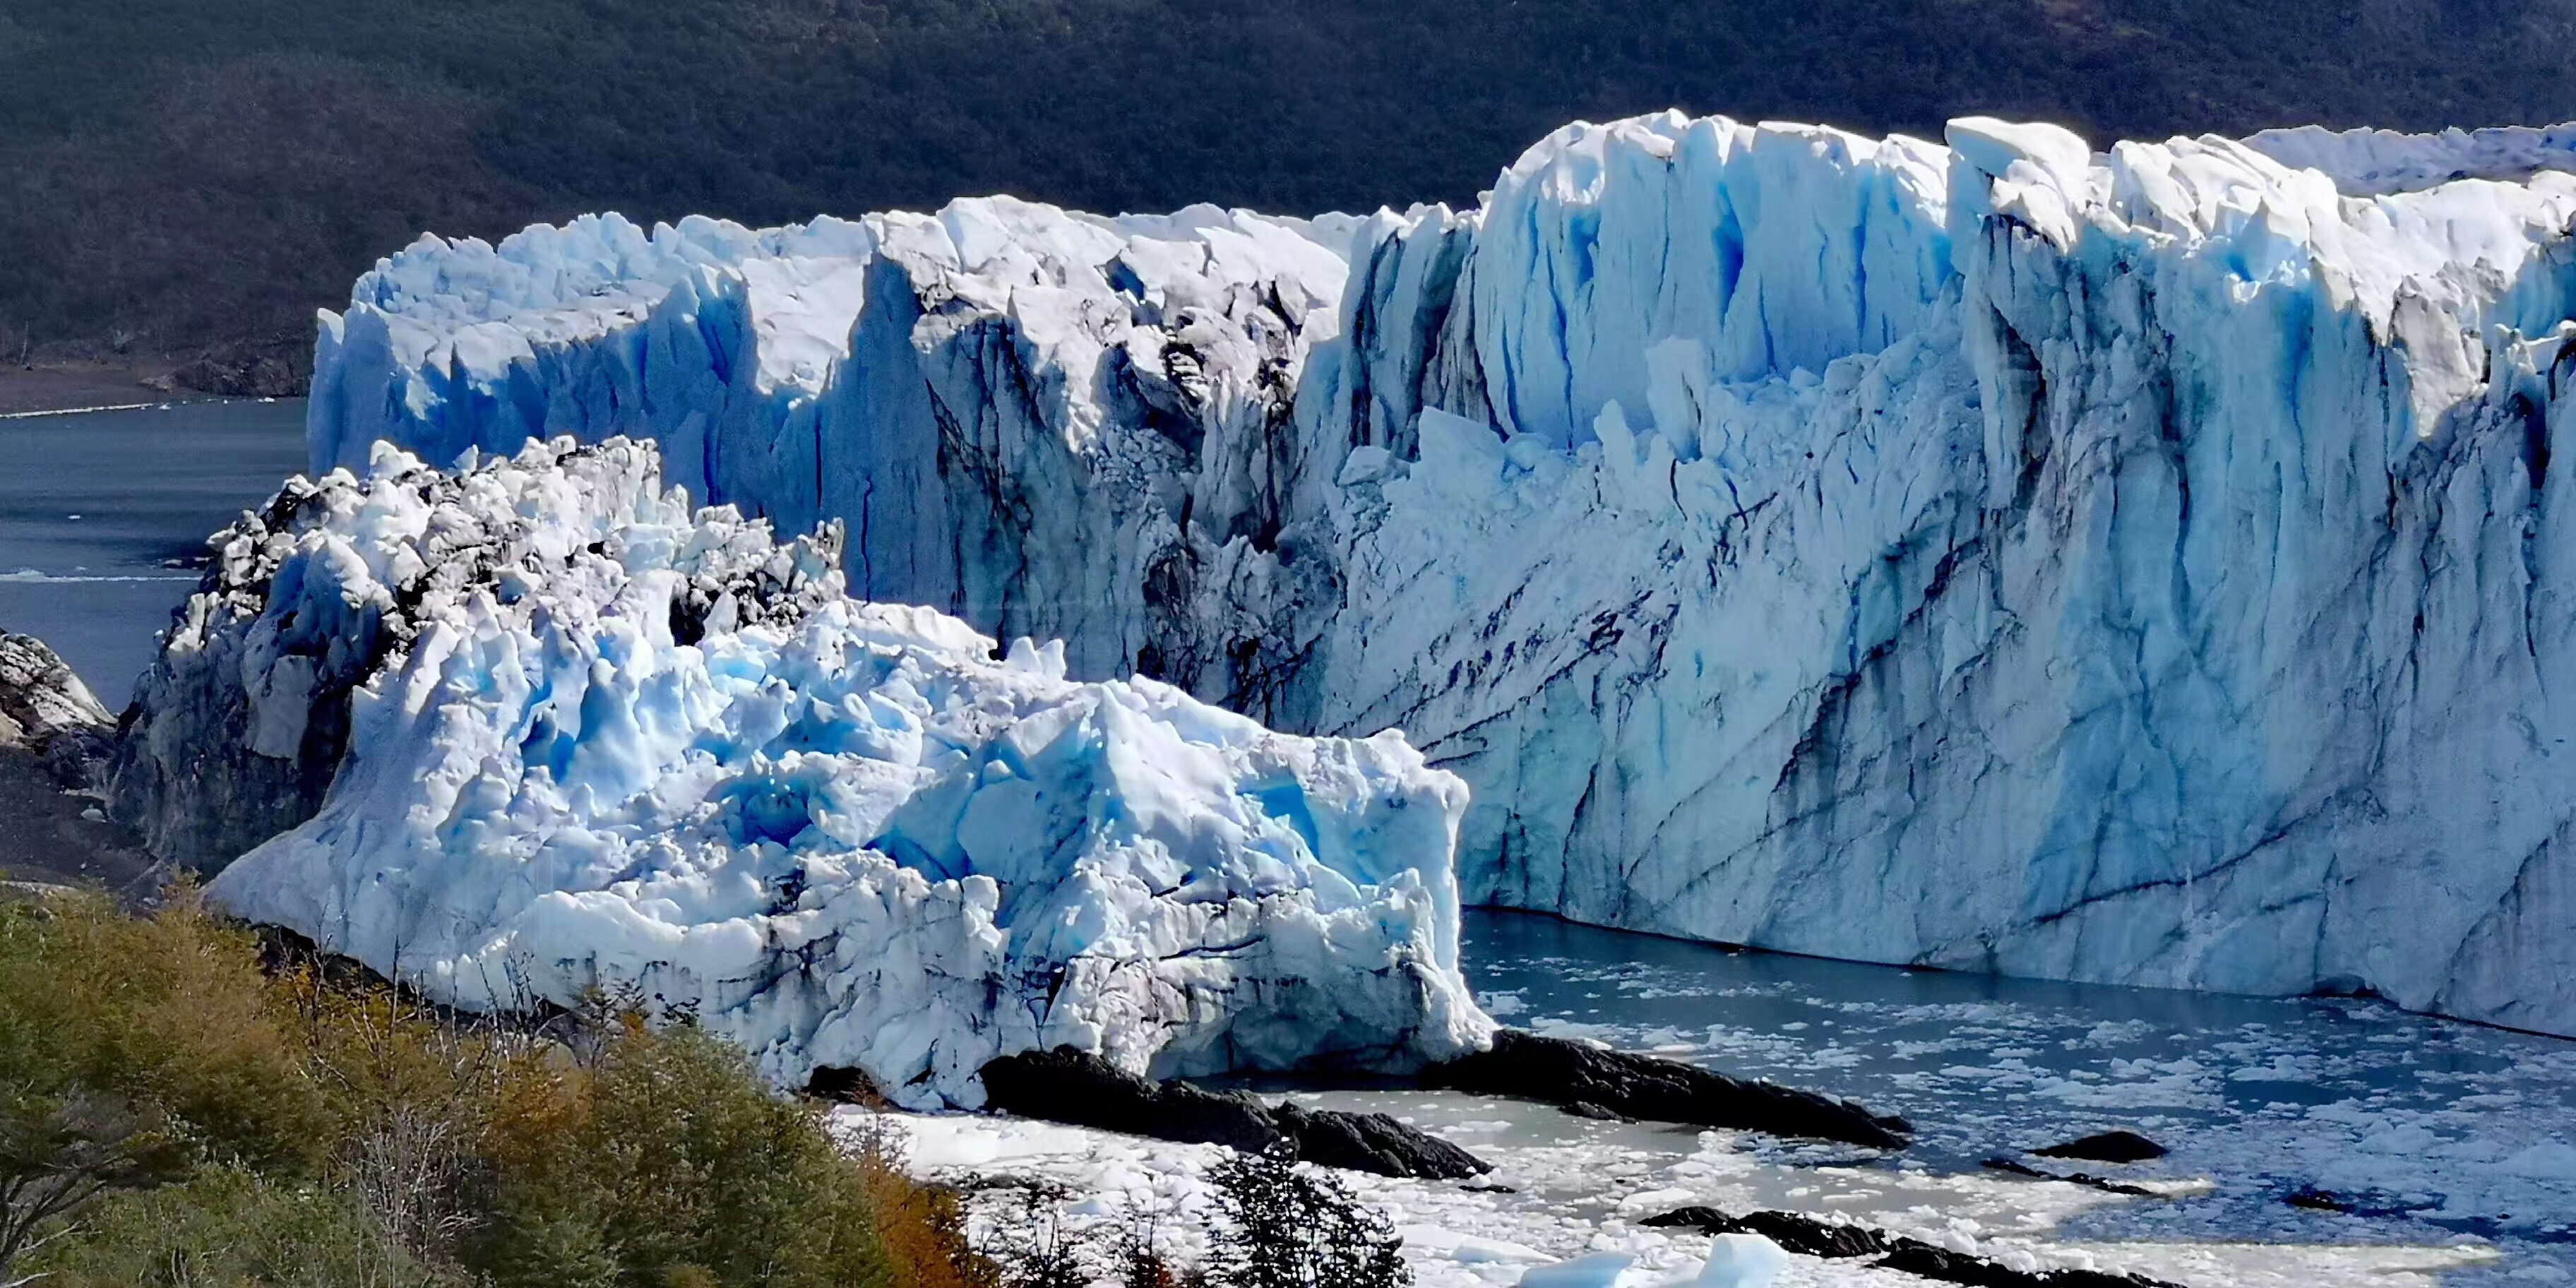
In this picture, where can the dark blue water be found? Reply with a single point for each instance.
(97, 508)
(2428, 1128)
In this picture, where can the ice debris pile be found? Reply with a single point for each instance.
(2137, 566)
(588, 739)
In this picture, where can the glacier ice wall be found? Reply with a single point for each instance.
(1082, 430)
(1054, 424)
(2136, 566)
(707, 335)
(2367, 162)
(2174, 599)
(593, 740)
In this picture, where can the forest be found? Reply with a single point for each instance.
(185, 176)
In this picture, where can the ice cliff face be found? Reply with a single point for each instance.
(703, 334)
(2167, 593)
(571, 735)
(1056, 425)
(2138, 566)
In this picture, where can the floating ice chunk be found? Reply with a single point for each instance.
(1742, 1261)
(1591, 1270)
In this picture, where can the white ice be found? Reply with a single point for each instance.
(612, 743)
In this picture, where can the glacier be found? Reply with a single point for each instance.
(2134, 566)
(589, 741)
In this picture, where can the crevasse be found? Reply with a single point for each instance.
(2140, 566)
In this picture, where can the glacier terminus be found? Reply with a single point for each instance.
(2152, 565)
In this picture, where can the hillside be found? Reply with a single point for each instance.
(186, 175)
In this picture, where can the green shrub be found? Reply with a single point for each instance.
(227, 1227)
(129, 1051)
(669, 1162)
(169, 1014)
(219, 1127)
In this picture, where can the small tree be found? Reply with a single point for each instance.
(1286, 1228)
(1141, 1263)
(60, 1154)
(1033, 1249)
(130, 1050)
(669, 1158)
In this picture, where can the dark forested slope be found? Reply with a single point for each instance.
(181, 173)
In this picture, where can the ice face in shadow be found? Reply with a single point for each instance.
(2135, 566)
(592, 740)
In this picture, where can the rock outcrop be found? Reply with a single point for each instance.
(56, 745)
(1835, 1240)
(40, 698)
(1594, 1082)
(1069, 1086)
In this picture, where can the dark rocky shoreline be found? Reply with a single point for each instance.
(1084, 1090)
(1594, 1083)
(1074, 1087)
(55, 742)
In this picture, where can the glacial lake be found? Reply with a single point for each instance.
(104, 517)
(2431, 1131)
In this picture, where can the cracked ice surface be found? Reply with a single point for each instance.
(596, 739)
(2138, 566)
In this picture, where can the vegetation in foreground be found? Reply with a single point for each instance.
(171, 1114)
(184, 1107)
